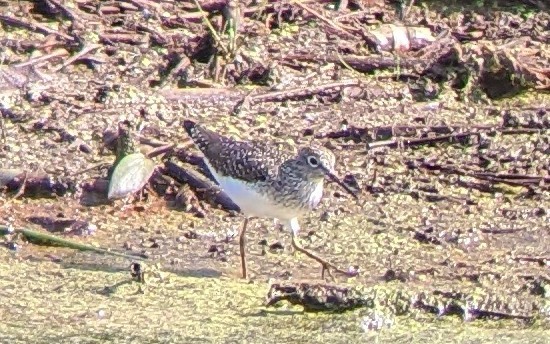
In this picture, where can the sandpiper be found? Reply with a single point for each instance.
(266, 181)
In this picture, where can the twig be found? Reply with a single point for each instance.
(56, 53)
(21, 189)
(386, 143)
(211, 28)
(516, 180)
(441, 138)
(214, 94)
(327, 21)
(36, 183)
(65, 10)
(145, 5)
(360, 63)
(156, 36)
(183, 64)
(34, 27)
(518, 131)
(161, 150)
(346, 65)
(2, 133)
(95, 166)
(416, 130)
(183, 176)
(87, 49)
(243, 103)
(122, 37)
(411, 4)
(352, 14)
(514, 176)
(43, 238)
(301, 92)
(342, 5)
(539, 260)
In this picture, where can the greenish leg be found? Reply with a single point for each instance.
(242, 242)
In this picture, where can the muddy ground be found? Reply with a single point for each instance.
(444, 131)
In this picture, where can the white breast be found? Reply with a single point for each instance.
(253, 203)
(316, 195)
(250, 201)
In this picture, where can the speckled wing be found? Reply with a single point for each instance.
(247, 161)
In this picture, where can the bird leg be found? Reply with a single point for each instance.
(242, 242)
(326, 266)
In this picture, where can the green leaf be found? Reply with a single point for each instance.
(130, 175)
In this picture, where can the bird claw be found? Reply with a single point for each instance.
(326, 268)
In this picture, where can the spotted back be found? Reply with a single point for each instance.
(247, 161)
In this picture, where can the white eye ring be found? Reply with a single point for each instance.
(312, 161)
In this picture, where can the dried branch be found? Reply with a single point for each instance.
(34, 27)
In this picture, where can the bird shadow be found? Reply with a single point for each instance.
(126, 267)
(266, 312)
(197, 273)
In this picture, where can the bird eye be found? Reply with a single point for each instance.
(312, 161)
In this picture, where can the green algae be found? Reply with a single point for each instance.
(87, 299)
(44, 302)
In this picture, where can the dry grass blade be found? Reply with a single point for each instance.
(213, 31)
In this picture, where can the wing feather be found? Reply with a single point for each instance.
(248, 161)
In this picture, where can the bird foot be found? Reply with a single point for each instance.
(326, 268)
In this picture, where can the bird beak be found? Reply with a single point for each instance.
(337, 180)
